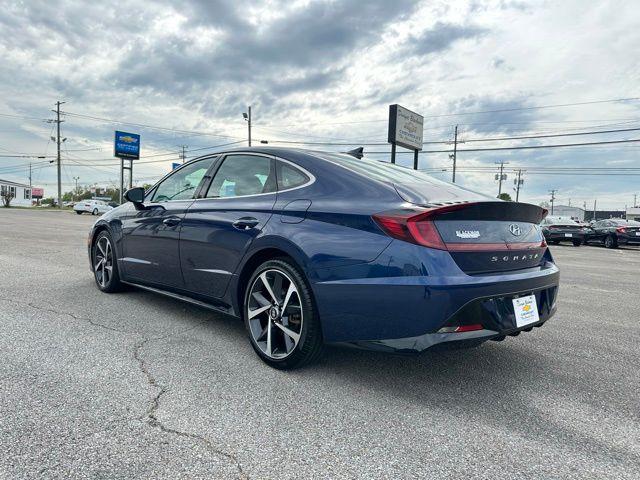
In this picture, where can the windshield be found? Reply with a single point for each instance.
(413, 185)
(630, 223)
(561, 221)
(378, 170)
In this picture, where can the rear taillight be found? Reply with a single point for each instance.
(415, 225)
(621, 230)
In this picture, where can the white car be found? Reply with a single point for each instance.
(94, 207)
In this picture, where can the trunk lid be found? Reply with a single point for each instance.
(496, 236)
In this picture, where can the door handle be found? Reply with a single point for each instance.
(245, 223)
(171, 221)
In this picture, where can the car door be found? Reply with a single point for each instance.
(219, 227)
(601, 229)
(151, 233)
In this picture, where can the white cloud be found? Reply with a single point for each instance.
(310, 67)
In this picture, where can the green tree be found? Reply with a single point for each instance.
(505, 196)
(7, 196)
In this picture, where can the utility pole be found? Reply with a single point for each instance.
(455, 151)
(594, 209)
(519, 181)
(553, 199)
(247, 117)
(58, 141)
(75, 192)
(501, 176)
(183, 156)
(30, 186)
(635, 198)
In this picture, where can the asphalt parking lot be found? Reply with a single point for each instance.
(137, 385)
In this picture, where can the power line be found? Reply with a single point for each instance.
(526, 147)
(499, 110)
(144, 125)
(449, 142)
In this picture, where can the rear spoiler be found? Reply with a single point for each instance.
(495, 210)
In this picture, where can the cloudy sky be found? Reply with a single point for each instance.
(182, 73)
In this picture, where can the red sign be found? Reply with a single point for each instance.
(37, 192)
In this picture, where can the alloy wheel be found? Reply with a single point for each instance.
(103, 261)
(274, 313)
(608, 242)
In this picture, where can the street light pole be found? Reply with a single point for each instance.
(249, 124)
(247, 116)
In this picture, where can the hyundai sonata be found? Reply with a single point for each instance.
(310, 248)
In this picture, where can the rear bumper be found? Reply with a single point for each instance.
(496, 314)
(405, 312)
(628, 240)
(561, 237)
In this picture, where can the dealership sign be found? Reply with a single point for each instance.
(405, 127)
(127, 145)
(37, 192)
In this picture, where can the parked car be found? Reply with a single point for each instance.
(94, 207)
(311, 248)
(564, 229)
(614, 232)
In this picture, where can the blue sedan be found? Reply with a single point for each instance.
(310, 248)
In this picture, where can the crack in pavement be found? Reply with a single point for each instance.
(151, 414)
(60, 312)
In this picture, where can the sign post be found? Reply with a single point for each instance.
(126, 146)
(405, 129)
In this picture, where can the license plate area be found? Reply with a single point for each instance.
(568, 235)
(526, 310)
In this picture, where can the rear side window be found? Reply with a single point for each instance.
(290, 177)
(241, 175)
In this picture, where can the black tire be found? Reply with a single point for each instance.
(610, 242)
(95, 211)
(79, 212)
(112, 281)
(577, 243)
(310, 344)
(555, 242)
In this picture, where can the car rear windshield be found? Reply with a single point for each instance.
(383, 171)
(561, 221)
(630, 223)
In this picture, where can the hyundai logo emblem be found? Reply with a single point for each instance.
(515, 229)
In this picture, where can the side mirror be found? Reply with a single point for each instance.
(135, 195)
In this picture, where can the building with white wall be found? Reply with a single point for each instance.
(633, 213)
(576, 213)
(21, 193)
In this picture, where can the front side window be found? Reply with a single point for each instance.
(290, 177)
(182, 184)
(241, 175)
